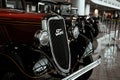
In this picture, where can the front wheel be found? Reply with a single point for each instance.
(82, 63)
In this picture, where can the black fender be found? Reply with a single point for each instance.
(94, 25)
(20, 57)
(78, 46)
(7, 63)
(89, 35)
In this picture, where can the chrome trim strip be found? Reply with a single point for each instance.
(80, 72)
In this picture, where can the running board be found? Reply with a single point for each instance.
(80, 72)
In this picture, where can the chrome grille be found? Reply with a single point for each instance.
(59, 44)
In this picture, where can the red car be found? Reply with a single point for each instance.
(34, 46)
(22, 25)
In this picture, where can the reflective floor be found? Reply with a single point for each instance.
(109, 49)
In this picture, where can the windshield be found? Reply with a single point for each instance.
(45, 8)
(74, 11)
(65, 9)
(14, 4)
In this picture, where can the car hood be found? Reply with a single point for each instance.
(19, 14)
(19, 26)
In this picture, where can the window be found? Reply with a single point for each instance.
(65, 9)
(14, 4)
(0, 3)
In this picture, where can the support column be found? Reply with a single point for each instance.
(87, 9)
(28, 8)
(81, 6)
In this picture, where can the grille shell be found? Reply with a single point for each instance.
(59, 43)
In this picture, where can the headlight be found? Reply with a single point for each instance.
(40, 66)
(75, 32)
(42, 36)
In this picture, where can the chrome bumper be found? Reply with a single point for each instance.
(83, 70)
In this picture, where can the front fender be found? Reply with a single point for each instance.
(23, 58)
(78, 47)
(7, 63)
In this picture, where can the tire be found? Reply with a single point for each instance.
(82, 63)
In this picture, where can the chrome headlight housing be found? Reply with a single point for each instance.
(75, 32)
(42, 36)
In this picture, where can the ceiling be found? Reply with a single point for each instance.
(93, 6)
(118, 0)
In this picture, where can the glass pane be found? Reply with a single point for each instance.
(14, 4)
(0, 3)
(65, 9)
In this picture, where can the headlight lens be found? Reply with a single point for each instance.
(42, 36)
(75, 32)
(40, 66)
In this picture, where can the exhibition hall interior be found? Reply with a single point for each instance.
(59, 39)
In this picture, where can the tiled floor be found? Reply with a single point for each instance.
(108, 48)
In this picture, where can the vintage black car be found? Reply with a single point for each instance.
(36, 46)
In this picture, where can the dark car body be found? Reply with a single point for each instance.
(18, 50)
(17, 29)
(36, 45)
